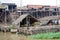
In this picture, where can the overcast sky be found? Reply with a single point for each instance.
(33, 2)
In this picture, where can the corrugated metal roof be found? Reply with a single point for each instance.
(51, 7)
(34, 6)
(22, 8)
(8, 3)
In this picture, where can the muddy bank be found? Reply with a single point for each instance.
(10, 36)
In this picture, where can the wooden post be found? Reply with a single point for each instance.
(5, 18)
(26, 21)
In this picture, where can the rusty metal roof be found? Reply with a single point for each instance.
(51, 7)
(35, 6)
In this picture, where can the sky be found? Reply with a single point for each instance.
(32, 2)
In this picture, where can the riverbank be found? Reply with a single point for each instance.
(10, 36)
(49, 35)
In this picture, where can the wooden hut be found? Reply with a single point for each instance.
(25, 20)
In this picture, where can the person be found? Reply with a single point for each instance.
(55, 21)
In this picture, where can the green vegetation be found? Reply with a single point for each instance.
(35, 23)
(46, 36)
(11, 27)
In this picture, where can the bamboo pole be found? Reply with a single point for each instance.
(5, 18)
(20, 9)
(56, 8)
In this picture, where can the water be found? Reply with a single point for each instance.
(10, 36)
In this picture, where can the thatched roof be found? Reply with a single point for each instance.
(21, 18)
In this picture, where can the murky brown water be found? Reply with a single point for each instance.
(10, 36)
